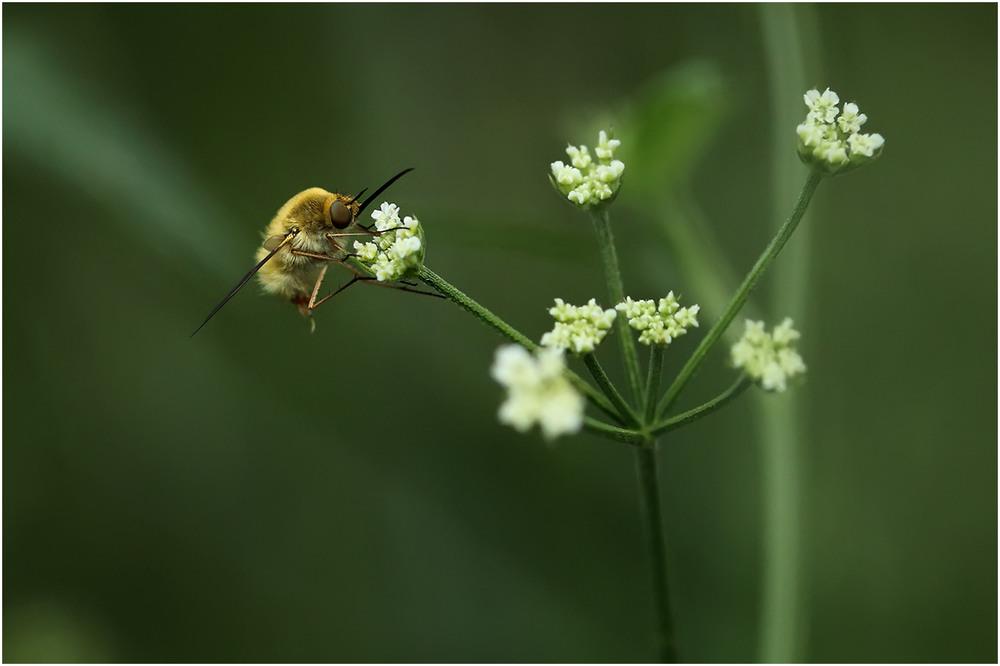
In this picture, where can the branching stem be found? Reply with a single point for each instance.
(435, 281)
(613, 277)
(751, 280)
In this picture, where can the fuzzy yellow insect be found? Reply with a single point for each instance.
(307, 234)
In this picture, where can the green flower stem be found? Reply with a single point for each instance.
(653, 381)
(643, 436)
(614, 432)
(649, 499)
(590, 360)
(650, 502)
(751, 280)
(712, 405)
(613, 276)
(594, 397)
(435, 281)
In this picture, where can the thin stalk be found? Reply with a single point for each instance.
(751, 280)
(613, 276)
(649, 491)
(590, 360)
(649, 499)
(435, 281)
(614, 432)
(704, 410)
(653, 381)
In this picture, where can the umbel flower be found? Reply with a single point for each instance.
(768, 358)
(537, 391)
(830, 140)
(589, 181)
(660, 322)
(579, 328)
(398, 250)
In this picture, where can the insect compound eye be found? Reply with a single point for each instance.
(340, 214)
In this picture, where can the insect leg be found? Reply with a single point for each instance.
(319, 280)
(358, 277)
(368, 279)
(307, 308)
(313, 306)
(316, 255)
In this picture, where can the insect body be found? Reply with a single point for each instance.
(303, 238)
(307, 234)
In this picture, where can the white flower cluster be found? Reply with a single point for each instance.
(768, 358)
(588, 182)
(537, 391)
(659, 323)
(398, 248)
(579, 328)
(833, 142)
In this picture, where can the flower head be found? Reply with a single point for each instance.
(537, 391)
(579, 328)
(659, 323)
(586, 181)
(397, 249)
(830, 140)
(767, 358)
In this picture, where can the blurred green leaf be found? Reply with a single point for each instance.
(78, 136)
(668, 125)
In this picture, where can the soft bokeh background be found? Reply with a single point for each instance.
(258, 493)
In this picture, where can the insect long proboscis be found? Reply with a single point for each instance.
(381, 189)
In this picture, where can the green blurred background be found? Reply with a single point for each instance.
(258, 493)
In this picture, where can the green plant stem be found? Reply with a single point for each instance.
(438, 283)
(435, 281)
(613, 276)
(590, 360)
(751, 280)
(649, 499)
(653, 381)
(643, 435)
(614, 432)
(712, 405)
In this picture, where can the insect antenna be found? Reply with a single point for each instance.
(243, 281)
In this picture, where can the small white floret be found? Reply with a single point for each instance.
(768, 359)
(537, 391)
